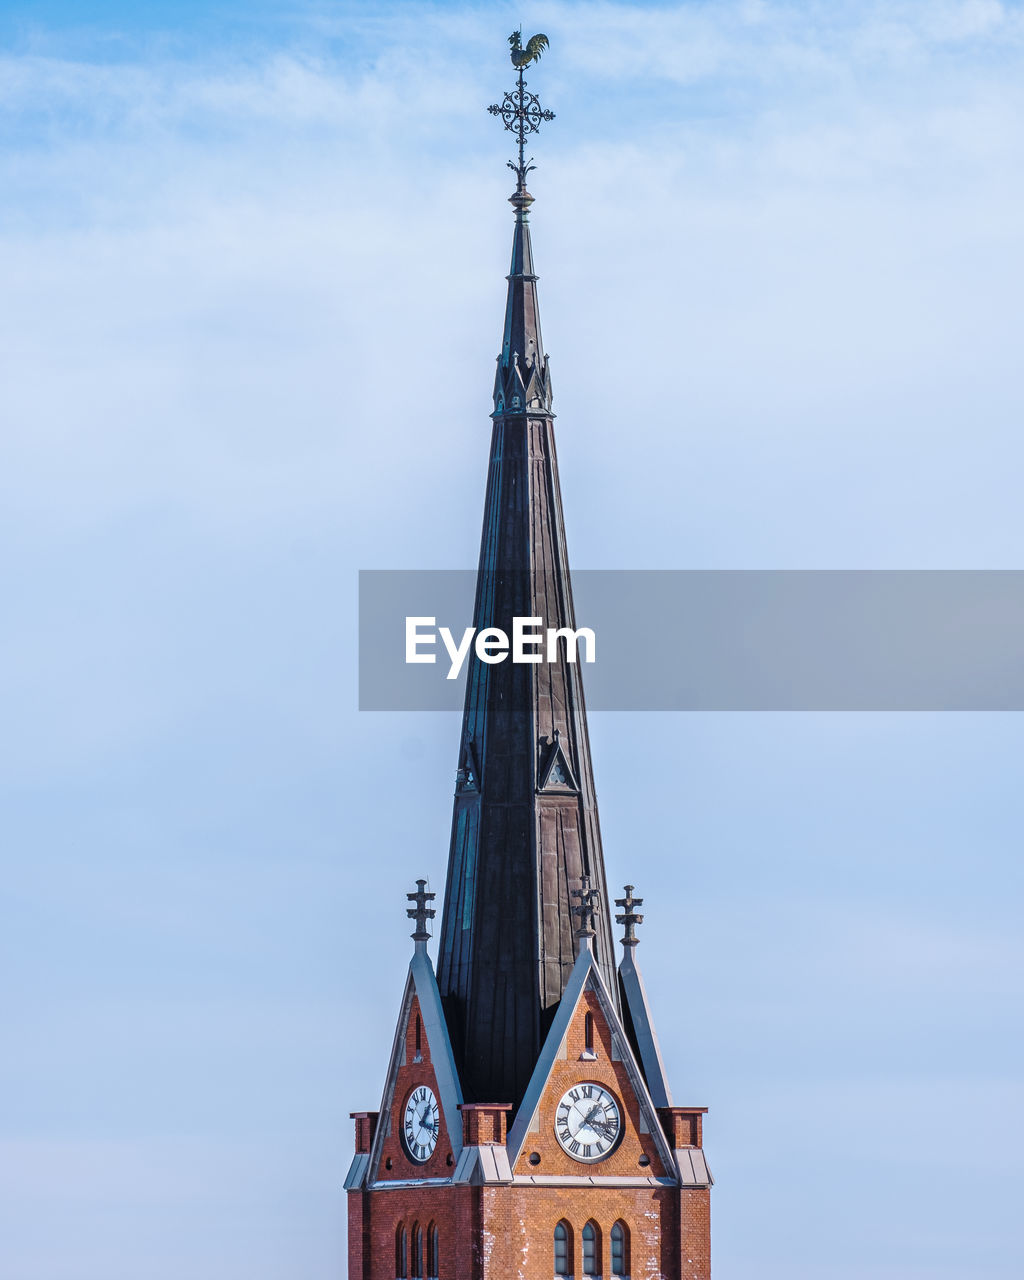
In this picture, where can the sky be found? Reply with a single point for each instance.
(252, 261)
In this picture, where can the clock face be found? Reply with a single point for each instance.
(419, 1124)
(587, 1122)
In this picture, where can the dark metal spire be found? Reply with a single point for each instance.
(525, 827)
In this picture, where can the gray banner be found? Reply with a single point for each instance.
(739, 640)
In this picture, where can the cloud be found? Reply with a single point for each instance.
(253, 288)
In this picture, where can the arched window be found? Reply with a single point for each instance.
(591, 1249)
(417, 1251)
(563, 1249)
(432, 1251)
(620, 1249)
(401, 1253)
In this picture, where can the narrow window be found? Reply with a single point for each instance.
(419, 1037)
(588, 1032)
(417, 1251)
(620, 1249)
(591, 1250)
(432, 1271)
(401, 1254)
(563, 1249)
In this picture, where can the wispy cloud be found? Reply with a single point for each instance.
(252, 294)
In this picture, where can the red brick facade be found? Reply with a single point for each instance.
(625, 1160)
(415, 1069)
(507, 1232)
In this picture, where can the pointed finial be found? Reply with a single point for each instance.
(588, 906)
(629, 917)
(421, 913)
(521, 112)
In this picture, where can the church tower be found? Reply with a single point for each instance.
(526, 1129)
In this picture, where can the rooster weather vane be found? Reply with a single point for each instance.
(520, 111)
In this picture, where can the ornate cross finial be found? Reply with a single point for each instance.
(521, 111)
(629, 917)
(421, 913)
(588, 906)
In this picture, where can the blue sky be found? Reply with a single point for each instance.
(253, 266)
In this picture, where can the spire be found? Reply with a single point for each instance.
(522, 379)
(525, 829)
(522, 383)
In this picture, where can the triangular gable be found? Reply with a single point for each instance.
(556, 773)
(586, 977)
(421, 994)
(469, 774)
(642, 1026)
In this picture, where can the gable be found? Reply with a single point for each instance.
(421, 1059)
(591, 1052)
(556, 772)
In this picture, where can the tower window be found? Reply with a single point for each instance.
(620, 1249)
(588, 1032)
(563, 1249)
(419, 1040)
(401, 1253)
(432, 1252)
(417, 1252)
(591, 1249)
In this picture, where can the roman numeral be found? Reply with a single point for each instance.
(599, 1148)
(574, 1094)
(563, 1106)
(588, 1091)
(586, 1153)
(574, 1147)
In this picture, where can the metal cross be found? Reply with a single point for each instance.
(588, 907)
(522, 114)
(629, 917)
(421, 913)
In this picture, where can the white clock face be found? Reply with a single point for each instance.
(420, 1124)
(587, 1122)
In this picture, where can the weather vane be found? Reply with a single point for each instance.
(521, 111)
